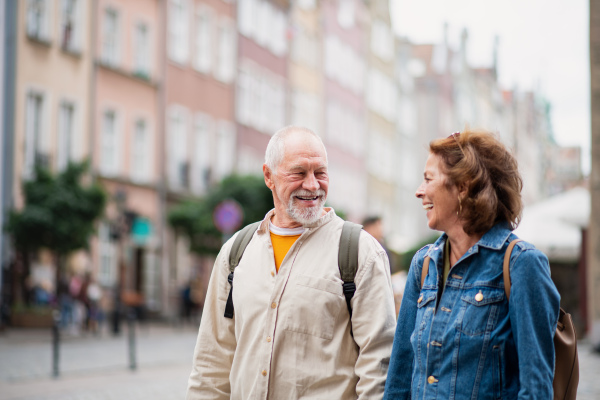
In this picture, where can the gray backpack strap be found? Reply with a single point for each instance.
(348, 259)
(235, 255)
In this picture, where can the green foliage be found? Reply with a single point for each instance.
(404, 259)
(194, 218)
(59, 212)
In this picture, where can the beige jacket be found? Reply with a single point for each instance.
(290, 336)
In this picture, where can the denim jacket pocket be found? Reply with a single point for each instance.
(480, 310)
(425, 308)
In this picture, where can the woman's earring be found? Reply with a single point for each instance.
(459, 207)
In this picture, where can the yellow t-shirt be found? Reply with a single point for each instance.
(282, 240)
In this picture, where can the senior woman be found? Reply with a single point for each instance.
(458, 336)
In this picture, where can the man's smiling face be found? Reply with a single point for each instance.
(300, 183)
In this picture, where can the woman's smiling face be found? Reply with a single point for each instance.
(439, 200)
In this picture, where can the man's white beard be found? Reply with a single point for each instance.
(306, 215)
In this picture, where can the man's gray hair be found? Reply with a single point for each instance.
(276, 149)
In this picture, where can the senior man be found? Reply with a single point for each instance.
(292, 335)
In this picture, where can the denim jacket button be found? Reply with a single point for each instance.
(420, 299)
(431, 379)
(479, 296)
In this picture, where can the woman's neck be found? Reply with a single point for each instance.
(460, 243)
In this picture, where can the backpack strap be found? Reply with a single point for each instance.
(235, 255)
(348, 259)
(506, 267)
(425, 270)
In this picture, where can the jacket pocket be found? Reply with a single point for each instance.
(314, 306)
(480, 309)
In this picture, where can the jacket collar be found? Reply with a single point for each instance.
(492, 239)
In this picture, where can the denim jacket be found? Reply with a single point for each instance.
(476, 344)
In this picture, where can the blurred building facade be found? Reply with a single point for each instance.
(167, 97)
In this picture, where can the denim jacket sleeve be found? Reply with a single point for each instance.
(398, 383)
(534, 306)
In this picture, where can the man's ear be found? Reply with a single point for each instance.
(268, 177)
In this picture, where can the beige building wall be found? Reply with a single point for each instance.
(381, 99)
(46, 69)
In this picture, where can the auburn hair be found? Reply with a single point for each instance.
(478, 161)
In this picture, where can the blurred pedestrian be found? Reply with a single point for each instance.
(458, 335)
(373, 224)
(291, 334)
(95, 313)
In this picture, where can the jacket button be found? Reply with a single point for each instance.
(264, 372)
(420, 299)
(431, 379)
(479, 296)
(273, 305)
(272, 273)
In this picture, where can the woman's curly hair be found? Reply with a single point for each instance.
(490, 172)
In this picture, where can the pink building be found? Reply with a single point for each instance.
(127, 148)
(262, 89)
(199, 122)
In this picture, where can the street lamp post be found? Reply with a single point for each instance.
(119, 230)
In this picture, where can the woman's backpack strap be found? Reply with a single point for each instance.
(425, 270)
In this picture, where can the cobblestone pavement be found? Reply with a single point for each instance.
(97, 368)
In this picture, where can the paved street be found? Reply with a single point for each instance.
(97, 367)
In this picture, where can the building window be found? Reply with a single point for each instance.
(107, 274)
(382, 41)
(203, 59)
(244, 96)
(381, 95)
(141, 149)
(203, 136)
(70, 25)
(38, 19)
(306, 110)
(141, 50)
(36, 143)
(109, 160)
(261, 98)
(225, 148)
(305, 49)
(343, 64)
(179, 168)
(110, 38)
(247, 10)
(267, 25)
(380, 161)
(66, 120)
(226, 51)
(346, 13)
(278, 34)
(179, 28)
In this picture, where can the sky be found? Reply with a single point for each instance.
(543, 46)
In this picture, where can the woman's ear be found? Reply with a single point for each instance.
(463, 189)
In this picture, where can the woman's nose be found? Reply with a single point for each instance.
(420, 192)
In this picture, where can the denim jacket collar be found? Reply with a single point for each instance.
(492, 239)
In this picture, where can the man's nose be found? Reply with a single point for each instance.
(311, 183)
